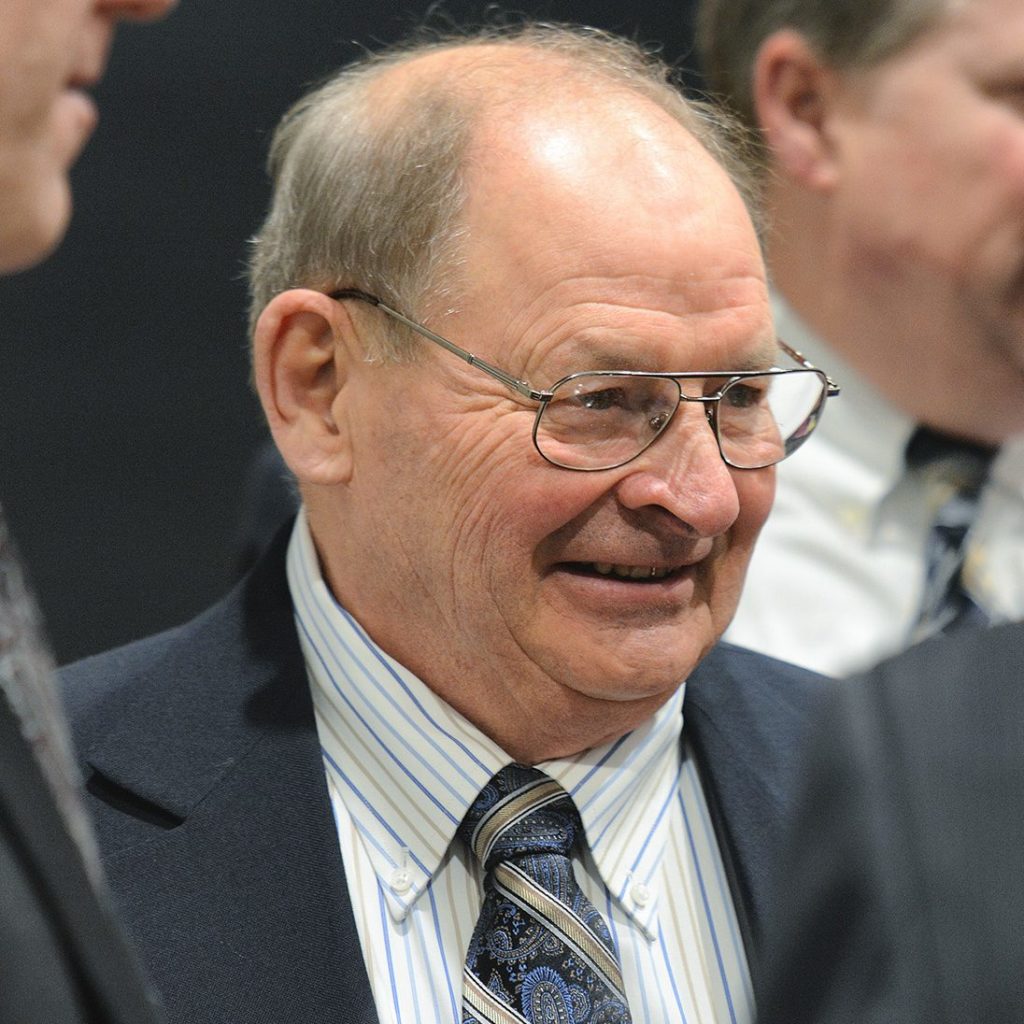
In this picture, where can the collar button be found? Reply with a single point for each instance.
(400, 881)
(641, 894)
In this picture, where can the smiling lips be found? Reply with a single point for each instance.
(633, 572)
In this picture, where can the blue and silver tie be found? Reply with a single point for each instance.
(540, 953)
(957, 472)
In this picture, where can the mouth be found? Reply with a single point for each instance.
(626, 573)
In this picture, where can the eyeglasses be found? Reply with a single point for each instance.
(602, 419)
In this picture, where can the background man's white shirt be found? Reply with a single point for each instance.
(837, 575)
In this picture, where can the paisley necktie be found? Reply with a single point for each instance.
(541, 952)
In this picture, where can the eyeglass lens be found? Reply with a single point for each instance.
(599, 421)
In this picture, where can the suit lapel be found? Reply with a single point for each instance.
(232, 806)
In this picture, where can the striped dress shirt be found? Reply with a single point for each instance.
(403, 768)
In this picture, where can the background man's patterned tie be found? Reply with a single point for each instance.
(957, 471)
(540, 952)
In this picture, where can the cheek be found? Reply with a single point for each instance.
(35, 205)
(494, 486)
(945, 197)
(1005, 151)
(998, 201)
(516, 507)
(756, 492)
(899, 210)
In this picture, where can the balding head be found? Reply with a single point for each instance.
(369, 168)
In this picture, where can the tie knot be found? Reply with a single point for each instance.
(520, 812)
(962, 464)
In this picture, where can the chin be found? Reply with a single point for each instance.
(630, 657)
(32, 225)
(641, 670)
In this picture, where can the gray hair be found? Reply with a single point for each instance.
(847, 34)
(368, 183)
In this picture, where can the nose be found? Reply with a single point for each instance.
(134, 10)
(683, 473)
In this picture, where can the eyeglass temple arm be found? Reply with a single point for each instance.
(799, 357)
(513, 383)
(521, 387)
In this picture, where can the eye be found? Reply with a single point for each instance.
(603, 399)
(746, 394)
(1010, 93)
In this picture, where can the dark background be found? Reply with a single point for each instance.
(126, 418)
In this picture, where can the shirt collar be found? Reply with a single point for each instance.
(1008, 468)
(406, 750)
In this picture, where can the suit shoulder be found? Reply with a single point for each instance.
(102, 677)
(748, 693)
(764, 670)
(252, 625)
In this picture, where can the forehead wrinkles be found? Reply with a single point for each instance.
(555, 339)
(537, 269)
(608, 301)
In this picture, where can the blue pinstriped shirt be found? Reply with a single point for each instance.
(402, 769)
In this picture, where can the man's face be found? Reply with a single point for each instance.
(49, 51)
(931, 204)
(595, 238)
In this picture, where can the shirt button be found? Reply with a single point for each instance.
(641, 894)
(401, 882)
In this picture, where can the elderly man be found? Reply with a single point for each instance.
(512, 336)
(894, 190)
(63, 960)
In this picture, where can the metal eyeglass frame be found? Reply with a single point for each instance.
(526, 390)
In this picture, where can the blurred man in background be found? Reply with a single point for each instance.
(901, 890)
(63, 958)
(894, 137)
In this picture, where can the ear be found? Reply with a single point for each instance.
(301, 353)
(794, 91)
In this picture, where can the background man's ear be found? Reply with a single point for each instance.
(300, 357)
(794, 92)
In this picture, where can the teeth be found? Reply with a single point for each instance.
(631, 572)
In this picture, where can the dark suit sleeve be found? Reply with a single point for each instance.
(36, 980)
(62, 957)
(901, 891)
(829, 941)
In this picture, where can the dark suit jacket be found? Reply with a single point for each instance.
(211, 803)
(902, 892)
(62, 959)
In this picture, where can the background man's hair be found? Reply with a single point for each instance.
(845, 33)
(367, 174)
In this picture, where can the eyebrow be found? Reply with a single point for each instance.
(593, 356)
